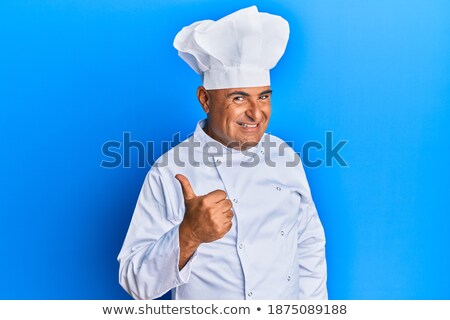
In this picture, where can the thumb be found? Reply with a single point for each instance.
(188, 192)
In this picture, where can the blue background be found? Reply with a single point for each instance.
(76, 74)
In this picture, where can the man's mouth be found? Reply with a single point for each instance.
(247, 125)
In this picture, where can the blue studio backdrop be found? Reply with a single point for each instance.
(75, 75)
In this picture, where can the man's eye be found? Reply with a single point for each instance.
(238, 99)
(264, 97)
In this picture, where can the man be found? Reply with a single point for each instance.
(228, 214)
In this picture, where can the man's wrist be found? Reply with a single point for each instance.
(188, 239)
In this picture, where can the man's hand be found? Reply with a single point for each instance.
(207, 218)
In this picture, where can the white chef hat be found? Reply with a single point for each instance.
(235, 51)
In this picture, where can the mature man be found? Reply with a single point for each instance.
(228, 214)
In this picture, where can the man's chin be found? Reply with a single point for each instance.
(243, 144)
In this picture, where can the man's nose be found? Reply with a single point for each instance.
(254, 111)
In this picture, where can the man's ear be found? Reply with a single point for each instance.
(204, 98)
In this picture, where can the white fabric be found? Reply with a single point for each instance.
(236, 51)
(275, 249)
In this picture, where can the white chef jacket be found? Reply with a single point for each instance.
(275, 249)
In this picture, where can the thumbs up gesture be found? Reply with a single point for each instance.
(207, 217)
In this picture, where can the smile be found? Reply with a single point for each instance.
(247, 125)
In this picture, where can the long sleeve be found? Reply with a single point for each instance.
(311, 249)
(311, 256)
(150, 253)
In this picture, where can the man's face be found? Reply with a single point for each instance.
(237, 117)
